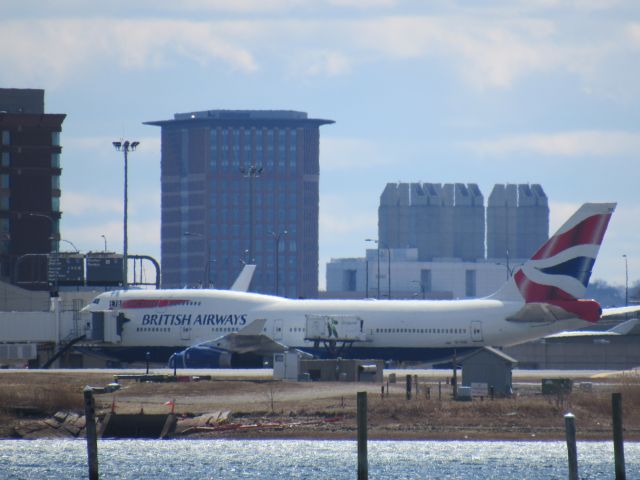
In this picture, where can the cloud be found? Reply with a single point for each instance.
(56, 49)
(488, 47)
(349, 220)
(79, 203)
(633, 32)
(348, 153)
(590, 143)
(323, 63)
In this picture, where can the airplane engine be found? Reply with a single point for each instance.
(201, 356)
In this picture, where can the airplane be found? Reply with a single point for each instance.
(228, 328)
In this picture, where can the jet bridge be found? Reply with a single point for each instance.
(335, 332)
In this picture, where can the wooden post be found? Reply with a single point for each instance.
(415, 380)
(90, 429)
(408, 383)
(618, 442)
(439, 390)
(572, 451)
(363, 463)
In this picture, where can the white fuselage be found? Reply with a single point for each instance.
(175, 318)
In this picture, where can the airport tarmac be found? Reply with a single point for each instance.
(267, 373)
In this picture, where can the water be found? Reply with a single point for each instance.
(307, 459)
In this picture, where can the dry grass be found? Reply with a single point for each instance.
(40, 399)
(527, 415)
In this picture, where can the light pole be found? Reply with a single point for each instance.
(276, 240)
(389, 271)
(70, 243)
(206, 274)
(105, 243)
(55, 249)
(251, 173)
(126, 147)
(626, 280)
(378, 270)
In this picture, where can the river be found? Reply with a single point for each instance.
(308, 459)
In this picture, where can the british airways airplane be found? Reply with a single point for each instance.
(222, 328)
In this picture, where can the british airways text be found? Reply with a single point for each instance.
(178, 319)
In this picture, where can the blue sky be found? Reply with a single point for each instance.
(538, 91)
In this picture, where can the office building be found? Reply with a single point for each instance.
(241, 186)
(441, 221)
(432, 242)
(517, 220)
(29, 186)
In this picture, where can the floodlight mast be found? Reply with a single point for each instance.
(125, 146)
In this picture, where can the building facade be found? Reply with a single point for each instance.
(441, 221)
(517, 220)
(432, 242)
(30, 171)
(398, 273)
(241, 186)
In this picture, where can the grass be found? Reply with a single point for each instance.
(39, 399)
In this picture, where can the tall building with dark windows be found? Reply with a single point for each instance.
(241, 186)
(29, 185)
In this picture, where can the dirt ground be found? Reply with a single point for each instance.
(262, 408)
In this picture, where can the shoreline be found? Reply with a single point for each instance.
(32, 405)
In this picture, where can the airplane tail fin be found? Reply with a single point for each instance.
(244, 279)
(559, 272)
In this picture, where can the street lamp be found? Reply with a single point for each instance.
(55, 249)
(626, 280)
(105, 243)
(206, 274)
(378, 270)
(276, 240)
(70, 243)
(251, 173)
(125, 146)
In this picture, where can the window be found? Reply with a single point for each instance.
(55, 204)
(4, 205)
(470, 283)
(6, 159)
(425, 281)
(6, 137)
(349, 281)
(55, 160)
(4, 181)
(55, 182)
(55, 139)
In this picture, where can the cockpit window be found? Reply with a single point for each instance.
(96, 300)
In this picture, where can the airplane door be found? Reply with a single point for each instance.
(185, 333)
(476, 331)
(277, 329)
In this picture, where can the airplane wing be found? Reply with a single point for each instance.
(250, 339)
(217, 352)
(626, 312)
(620, 329)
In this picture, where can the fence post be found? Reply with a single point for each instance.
(408, 383)
(618, 442)
(90, 429)
(363, 463)
(572, 451)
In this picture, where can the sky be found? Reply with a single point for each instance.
(499, 91)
